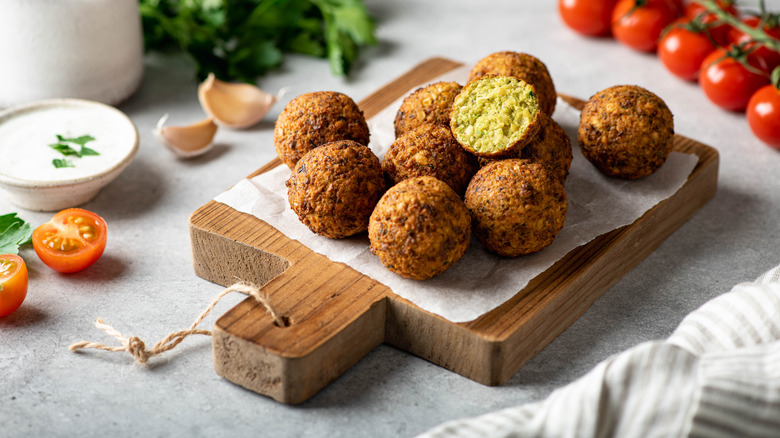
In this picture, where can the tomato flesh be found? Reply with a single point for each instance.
(763, 115)
(13, 283)
(72, 241)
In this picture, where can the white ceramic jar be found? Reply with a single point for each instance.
(88, 49)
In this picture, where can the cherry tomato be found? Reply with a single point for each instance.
(726, 82)
(771, 27)
(720, 32)
(13, 283)
(763, 115)
(638, 23)
(588, 17)
(683, 48)
(73, 240)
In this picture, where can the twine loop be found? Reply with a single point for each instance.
(137, 348)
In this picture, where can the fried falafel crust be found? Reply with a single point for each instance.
(428, 104)
(495, 116)
(433, 151)
(334, 188)
(516, 207)
(314, 119)
(626, 131)
(523, 66)
(419, 228)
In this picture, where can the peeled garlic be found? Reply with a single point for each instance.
(234, 105)
(187, 141)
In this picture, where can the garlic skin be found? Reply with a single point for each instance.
(234, 105)
(186, 141)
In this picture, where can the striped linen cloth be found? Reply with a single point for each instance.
(717, 375)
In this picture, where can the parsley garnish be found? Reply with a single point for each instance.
(244, 39)
(61, 162)
(14, 232)
(66, 149)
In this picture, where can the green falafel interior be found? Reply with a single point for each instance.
(494, 115)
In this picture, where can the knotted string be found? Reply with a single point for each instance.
(136, 347)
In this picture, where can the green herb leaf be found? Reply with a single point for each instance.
(244, 39)
(14, 232)
(87, 151)
(64, 149)
(59, 163)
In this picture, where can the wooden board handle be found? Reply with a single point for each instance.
(335, 317)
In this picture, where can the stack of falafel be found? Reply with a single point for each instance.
(485, 159)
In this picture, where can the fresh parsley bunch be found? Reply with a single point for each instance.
(243, 39)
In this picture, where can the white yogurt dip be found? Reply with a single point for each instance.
(27, 174)
(25, 137)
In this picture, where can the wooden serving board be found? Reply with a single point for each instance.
(336, 315)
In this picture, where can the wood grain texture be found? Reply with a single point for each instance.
(337, 315)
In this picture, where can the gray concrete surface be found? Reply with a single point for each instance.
(145, 286)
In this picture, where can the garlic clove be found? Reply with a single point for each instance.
(187, 141)
(234, 105)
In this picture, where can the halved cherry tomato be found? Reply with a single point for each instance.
(763, 115)
(73, 240)
(683, 48)
(13, 283)
(719, 32)
(588, 17)
(727, 82)
(639, 23)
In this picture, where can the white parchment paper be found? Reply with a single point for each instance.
(480, 281)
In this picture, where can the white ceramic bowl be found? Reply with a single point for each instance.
(27, 173)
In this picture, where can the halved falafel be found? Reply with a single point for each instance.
(430, 150)
(428, 104)
(551, 148)
(516, 207)
(523, 66)
(495, 116)
(314, 119)
(333, 188)
(626, 131)
(419, 228)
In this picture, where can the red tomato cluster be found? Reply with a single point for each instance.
(694, 44)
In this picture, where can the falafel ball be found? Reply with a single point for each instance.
(551, 148)
(333, 188)
(430, 150)
(495, 116)
(626, 131)
(314, 119)
(419, 228)
(523, 66)
(516, 207)
(428, 104)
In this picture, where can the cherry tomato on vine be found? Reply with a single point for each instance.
(639, 23)
(13, 283)
(771, 25)
(683, 48)
(719, 32)
(73, 240)
(763, 112)
(588, 17)
(727, 82)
